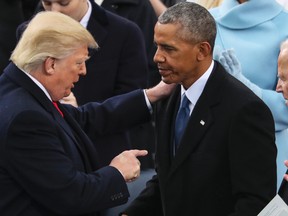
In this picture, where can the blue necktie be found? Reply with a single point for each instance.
(181, 120)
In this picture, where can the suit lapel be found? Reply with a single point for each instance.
(199, 123)
(201, 118)
(23, 80)
(73, 130)
(165, 130)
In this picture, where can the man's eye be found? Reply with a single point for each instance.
(61, 3)
(64, 3)
(168, 48)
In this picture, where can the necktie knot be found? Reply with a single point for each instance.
(185, 103)
(57, 107)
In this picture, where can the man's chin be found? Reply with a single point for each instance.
(167, 80)
(67, 93)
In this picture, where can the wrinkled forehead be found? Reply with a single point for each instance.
(283, 58)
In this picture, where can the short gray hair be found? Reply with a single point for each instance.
(196, 22)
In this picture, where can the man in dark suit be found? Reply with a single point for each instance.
(224, 163)
(48, 164)
(118, 66)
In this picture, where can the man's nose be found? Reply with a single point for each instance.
(158, 58)
(55, 7)
(83, 70)
(279, 86)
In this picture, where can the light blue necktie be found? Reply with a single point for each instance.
(181, 120)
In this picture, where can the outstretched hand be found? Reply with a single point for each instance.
(128, 164)
(71, 99)
(160, 91)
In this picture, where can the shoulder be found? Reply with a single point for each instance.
(230, 89)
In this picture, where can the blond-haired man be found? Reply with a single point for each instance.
(48, 165)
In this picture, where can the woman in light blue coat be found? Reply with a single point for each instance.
(254, 29)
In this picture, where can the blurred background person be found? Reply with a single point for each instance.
(140, 12)
(207, 3)
(12, 14)
(282, 87)
(254, 29)
(161, 5)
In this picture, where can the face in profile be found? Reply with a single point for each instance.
(73, 8)
(177, 59)
(282, 85)
(66, 72)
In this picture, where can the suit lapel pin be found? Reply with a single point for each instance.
(202, 122)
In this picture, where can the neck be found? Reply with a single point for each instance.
(84, 10)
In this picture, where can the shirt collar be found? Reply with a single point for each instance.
(195, 90)
(85, 19)
(99, 2)
(38, 84)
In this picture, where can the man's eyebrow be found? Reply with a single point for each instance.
(163, 44)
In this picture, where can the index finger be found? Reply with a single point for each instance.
(138, 152)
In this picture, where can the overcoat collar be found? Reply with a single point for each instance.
(21, 79)
(200, 120)
(246, 15)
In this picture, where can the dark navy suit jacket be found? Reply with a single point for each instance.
(226, 161)
(48, 165)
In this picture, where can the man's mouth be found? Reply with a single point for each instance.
(164, 72)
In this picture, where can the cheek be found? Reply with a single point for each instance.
(285, 88)
(69, 13)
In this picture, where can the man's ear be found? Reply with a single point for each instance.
(49, 65)
(204, 50)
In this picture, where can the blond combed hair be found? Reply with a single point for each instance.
(50, 34)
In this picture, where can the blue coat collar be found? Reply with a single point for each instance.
(233, 15)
